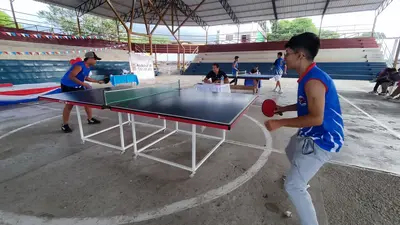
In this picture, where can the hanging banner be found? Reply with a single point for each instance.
(141, 65)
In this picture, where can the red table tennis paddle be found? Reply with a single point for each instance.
(268, 108)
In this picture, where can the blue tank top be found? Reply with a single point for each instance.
(233, 66)
(65, 80)
(330, 135)
(279, 66)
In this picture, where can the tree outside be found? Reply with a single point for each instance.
(65, 21)
(285, 29)
(7, 21)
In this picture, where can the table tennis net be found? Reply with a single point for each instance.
(116, 96)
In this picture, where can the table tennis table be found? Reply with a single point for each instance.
(255, 77)
(251, 76)
(165, 102)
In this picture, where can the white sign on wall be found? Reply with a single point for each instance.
(141, 65)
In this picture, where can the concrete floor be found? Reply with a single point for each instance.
(48, 177)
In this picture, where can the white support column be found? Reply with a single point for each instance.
(176, 126)
(193, 150)
(134, 135)
(165, 125)
(121, 131)
(78, 115)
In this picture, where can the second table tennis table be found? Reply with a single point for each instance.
(255, 77)
(165, 102)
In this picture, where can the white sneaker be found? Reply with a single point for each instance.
(388, 97)
(373, 92)
(280, 92)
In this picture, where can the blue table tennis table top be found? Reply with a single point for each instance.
(252, 76)
(185, 105)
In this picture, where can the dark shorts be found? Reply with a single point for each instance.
(69, 89)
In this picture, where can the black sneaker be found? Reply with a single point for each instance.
(93, 121)
(66, 128)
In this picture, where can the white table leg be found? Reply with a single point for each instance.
(78, 115)
(134, 135)
(193, 150)
(121, 131)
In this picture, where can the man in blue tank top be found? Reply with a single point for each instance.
(74, 80)
(235, 69)
(279, 68)
(319, 119)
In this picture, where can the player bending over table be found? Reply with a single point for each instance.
(74, 80)
(320, 135)
(216, 75)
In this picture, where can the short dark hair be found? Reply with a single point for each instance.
(307, 42)
(280, 53)
(236, 57)
(216, 65)
(85, 59)
(254, 70)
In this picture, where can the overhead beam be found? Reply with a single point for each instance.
(230, 11)
(161, 4)
(383, 6)
(322, 17)
(132, 12)
(188, 12)
(159, 20)
(274, 8)
(88, 6)
(184, 21)
(163, 20)
(378, 11)
(144, 16)
(13, 13)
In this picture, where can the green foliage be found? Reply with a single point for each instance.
(260, 37)
(65, 19)
(376, 34)
(285, 29)
(7, 21)
(155, 40)
(328, 34)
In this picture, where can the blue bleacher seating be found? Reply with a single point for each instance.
(337, 70)
(40, 71)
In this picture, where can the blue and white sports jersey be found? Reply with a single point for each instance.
(279, 66)
(330, 135)
(235, 64)
(65, 80)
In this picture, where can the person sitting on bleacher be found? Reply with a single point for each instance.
(216, 75)
(384, 79)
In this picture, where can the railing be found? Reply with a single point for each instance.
(387, 53)
(139, 49)
(195, 51)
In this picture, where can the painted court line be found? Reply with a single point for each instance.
(371, 117)
(12, 218)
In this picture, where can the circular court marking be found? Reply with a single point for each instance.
(12, 218)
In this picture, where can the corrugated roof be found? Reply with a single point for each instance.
(212, 12)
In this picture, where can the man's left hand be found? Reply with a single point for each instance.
(272, 125)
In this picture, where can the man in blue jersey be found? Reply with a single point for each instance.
(74, 80)
(319, 119)
(279, 69)
(235, 69)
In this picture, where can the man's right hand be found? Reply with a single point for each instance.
(87, 86)
(279, 109)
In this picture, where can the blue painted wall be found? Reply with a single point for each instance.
(337, 70)
(40, 71)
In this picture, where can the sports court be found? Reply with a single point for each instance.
(175, 149)
(53, 178)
